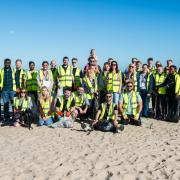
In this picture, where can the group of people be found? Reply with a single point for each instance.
(103, 98)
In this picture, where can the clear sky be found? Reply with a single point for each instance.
(50, 29)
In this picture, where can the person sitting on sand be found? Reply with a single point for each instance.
(22, 102)
(65, 109)
(130, 105)
(106, 117)
(45, 107)
(81, 103)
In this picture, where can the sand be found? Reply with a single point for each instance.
(148, 152)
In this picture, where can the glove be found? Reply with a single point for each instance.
(60, 113)
(68, 114)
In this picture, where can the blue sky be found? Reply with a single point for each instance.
(48, 29)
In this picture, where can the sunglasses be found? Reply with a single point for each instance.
(114, 64)
(129, 86)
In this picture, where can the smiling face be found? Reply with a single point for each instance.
(53, 64)
(67, 94)
(45, 66)
(32, 66)
(129, 87)
(18, 64)
(44, 91)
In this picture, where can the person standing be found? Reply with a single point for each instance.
(130, 75)
(20, 76)
(8, 87)
(55, 74)
(160, 92)
(77, 75)
(45, 77)
(172, 85)
(65, 77)
(31, 81)
(145, 85)
(114, 82)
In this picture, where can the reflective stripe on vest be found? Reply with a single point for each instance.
(21, 77)
(113, 82)
(90, 86)
(77, 79)
(65, 77)
(133, 101)
(22, 102)
(68, 105)
(13, 79)
(46, 105)
(110, 112)
(159, 79)
(31, 81)
(134, 79)
(79, 100)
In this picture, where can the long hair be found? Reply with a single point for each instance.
(117, 69)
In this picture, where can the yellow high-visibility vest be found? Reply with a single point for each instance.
(65, 77)
(110, 112)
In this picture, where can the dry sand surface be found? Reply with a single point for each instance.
(148, 152)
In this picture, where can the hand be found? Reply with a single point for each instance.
(125, 117)
(95, 121)
(148, 94)
(17, 90)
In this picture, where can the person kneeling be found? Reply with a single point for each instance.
(22, 109)
(65, 109)
(106, 117)
(130, 105)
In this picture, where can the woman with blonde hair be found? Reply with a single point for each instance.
(45, 107)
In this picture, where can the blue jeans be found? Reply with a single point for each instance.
(47, 122)
(145, 100)
(115, 97)
(7, 96)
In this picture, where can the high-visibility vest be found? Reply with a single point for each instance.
(110, 112)
(152, 69)
(77, 77)
(113, 82)
(2, 79)
(31, 81)
(177, 80)
(79, 99)
(22, 102)
(41, 78)
(134, 78)
(22, 77)
(65, 77)
(68, 105)
(89, 87)
(55, 77)
(46, 105)
(159, 79)
(134, 102)
(148, 79)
